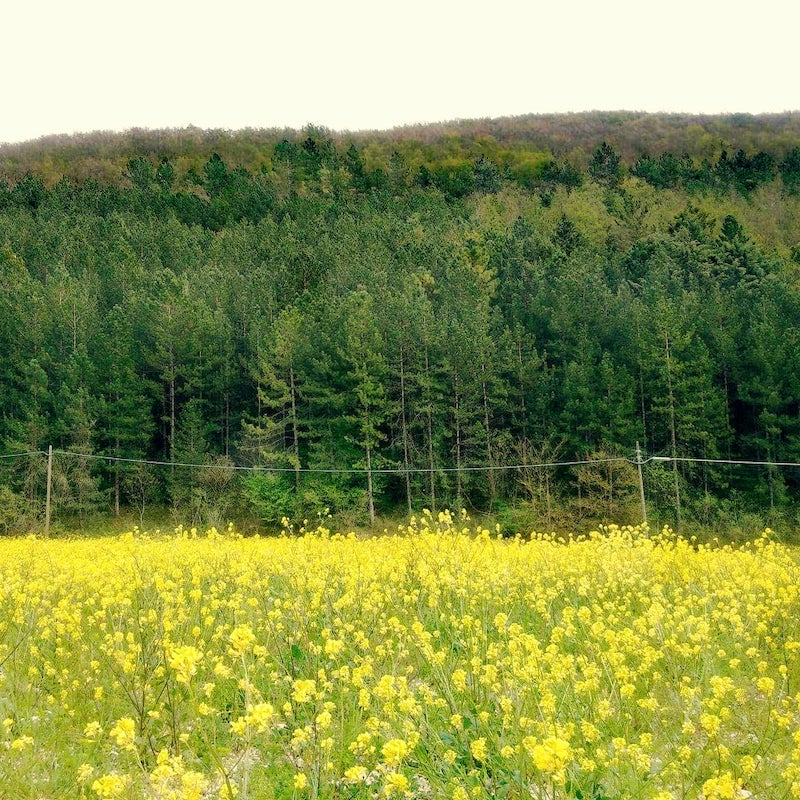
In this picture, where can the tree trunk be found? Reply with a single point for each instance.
(672, 432)
(404, 430)
(522, 408)
(370, 495)
(116, 480)
(458, 444)
(171, 411)
(429, 414)
(295, 434)
(489, 455)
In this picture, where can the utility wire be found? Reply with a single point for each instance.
(340, 470)
(744, 463)
(410, 470)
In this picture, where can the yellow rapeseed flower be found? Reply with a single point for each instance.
(260, 716)
(22, 743)
(722, 787)
(108, 787)
(355, 774)
(394, 751)
(92, 730)
(124, 733)
(241, 640)
(300, 781)
(478, 749)
(184, 660)
(395, 783)
(304, 690)
(549, 756)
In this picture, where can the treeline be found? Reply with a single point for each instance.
(333, 311)
(523, 145)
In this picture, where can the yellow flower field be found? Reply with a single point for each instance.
(440, 662)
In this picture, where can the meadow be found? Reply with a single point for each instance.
(443, 661)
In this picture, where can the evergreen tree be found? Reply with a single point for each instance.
(606, 166)
(366, 371)
(126, 426)
(29, 431)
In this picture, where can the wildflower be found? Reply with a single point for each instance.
(478, 749)
(459, 679)
(304, 690)
(765, 684)
(184, 661)
(355, 774)
(723, 787)
(333, 647)
(124, 733)
(92, 730)
(710, 723)
(241, 640)
(300, 736)
(300, 780)
(260, 716)
(362, 743)
(110, 786)
(193, 785)
(22, 742)
(395, 783)
(394, 751)
(549, 756)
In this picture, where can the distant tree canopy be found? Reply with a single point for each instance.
(369, 319)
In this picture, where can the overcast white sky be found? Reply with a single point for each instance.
(81, 65)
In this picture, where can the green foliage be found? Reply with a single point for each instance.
(608, 488)
(272, 495)
(12, 510)
(606, 166)
(790, 171)
(428, 302)
(278, 499)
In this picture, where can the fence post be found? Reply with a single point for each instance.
(49, 490)
(641, 482)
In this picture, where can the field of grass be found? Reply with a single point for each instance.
(441, 662)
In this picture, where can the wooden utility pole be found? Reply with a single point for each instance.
(49, 490)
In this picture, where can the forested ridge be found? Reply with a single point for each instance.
(375, 319)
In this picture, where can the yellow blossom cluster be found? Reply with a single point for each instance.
(441, 662)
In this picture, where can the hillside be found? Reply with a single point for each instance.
(390, 320)
(104, 155)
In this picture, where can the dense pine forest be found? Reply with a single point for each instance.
(396, 320)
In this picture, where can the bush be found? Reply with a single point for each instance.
(274, 496)
(12, 510)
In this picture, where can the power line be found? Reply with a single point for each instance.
(638, 462)
(407, 470)
(23, 455)
(734, 462)
(338, 470)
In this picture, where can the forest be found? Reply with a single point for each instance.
(376, 323)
